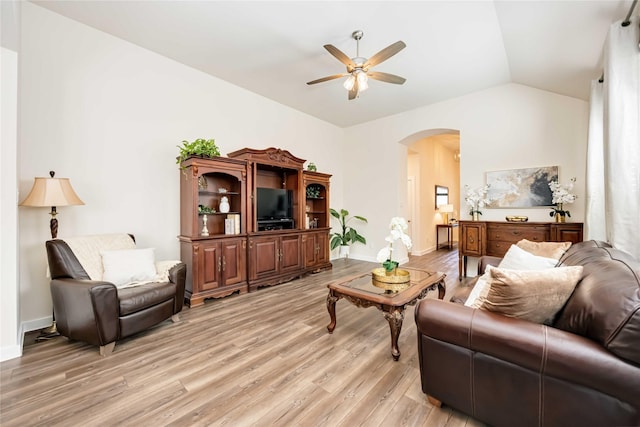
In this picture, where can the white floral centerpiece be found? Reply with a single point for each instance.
(561, 194)
(476, 199)
(398, 227)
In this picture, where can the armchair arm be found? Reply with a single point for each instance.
(86, 310)
(178, 275)
(551, 352)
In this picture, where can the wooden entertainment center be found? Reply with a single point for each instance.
(243, 250)
(478, 238)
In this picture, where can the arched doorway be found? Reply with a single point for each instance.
(433, 159)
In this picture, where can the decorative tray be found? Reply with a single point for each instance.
(517, 218)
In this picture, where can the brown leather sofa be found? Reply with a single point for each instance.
(583, 370)
(97, 312)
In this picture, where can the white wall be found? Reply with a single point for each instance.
(505, 127)
(108, 115)
(10, 336)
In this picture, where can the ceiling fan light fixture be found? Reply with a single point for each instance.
(362, 81)
(348, 84)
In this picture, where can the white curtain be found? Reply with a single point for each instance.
(595, 223)
(620, 150)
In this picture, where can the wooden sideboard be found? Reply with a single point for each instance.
(478, 238)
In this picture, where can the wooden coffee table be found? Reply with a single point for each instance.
(359, 290)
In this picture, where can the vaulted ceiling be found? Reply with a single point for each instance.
(453, 47)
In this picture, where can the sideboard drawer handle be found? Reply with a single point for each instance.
(517, 233)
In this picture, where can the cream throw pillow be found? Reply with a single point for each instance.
(553, 250)
(128, 266)
(531, 295)
(514, 259)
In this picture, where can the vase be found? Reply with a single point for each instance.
(560, 217)
(224, 204)
(344, 251)
(475, 216)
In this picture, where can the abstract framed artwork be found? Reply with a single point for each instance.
(521, 188)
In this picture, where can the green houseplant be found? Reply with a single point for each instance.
(200, 147)
(347, 234)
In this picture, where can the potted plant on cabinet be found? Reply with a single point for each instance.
(200, 147)
(348, 234)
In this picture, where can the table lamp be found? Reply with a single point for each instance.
(52, 192)
(445, 210)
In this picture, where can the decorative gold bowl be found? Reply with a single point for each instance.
(390, 281)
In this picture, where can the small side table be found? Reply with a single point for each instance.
(449, 243)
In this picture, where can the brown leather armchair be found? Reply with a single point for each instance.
(99, 313)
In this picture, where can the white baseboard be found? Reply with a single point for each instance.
(35, 324)
(10, 352)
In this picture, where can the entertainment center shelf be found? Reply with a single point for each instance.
(280, 232)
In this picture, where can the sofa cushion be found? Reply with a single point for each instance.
(605, 305)
(534, 295)
(553, 250)
(138, 298)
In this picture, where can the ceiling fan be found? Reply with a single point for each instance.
(358, 68)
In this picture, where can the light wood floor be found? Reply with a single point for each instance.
(263, 358)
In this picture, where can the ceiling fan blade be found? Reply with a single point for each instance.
(386, 77)
(353, 93)
(326, 79)
(385, 54)
(340, 56)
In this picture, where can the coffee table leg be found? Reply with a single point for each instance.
(442, 289)
(395, 318)
(331, 307)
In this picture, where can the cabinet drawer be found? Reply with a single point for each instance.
(515, 234)
(498, 248)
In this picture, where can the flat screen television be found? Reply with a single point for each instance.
(274, 203)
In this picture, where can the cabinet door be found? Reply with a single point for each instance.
(209, 267)
(290, 253)
(322, 243)
(567, 232)
(309, 250)
(264, 257)
(234, 262)
(472, 236)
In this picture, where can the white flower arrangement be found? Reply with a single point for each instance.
(477, 199)
(562, 194)
(398, 227)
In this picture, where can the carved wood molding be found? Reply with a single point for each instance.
(271, 155)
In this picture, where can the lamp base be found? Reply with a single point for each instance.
(48, 332)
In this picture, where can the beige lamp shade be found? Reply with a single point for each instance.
(445, 210)
(52, 192)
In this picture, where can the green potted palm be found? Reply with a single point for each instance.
(347, 234)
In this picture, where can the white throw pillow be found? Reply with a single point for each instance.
(519, 259)
(480, 290)
(128, 266)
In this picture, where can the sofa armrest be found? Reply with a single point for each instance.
(485, 260)
(178, 275)
(86, 310)
(548, 351)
